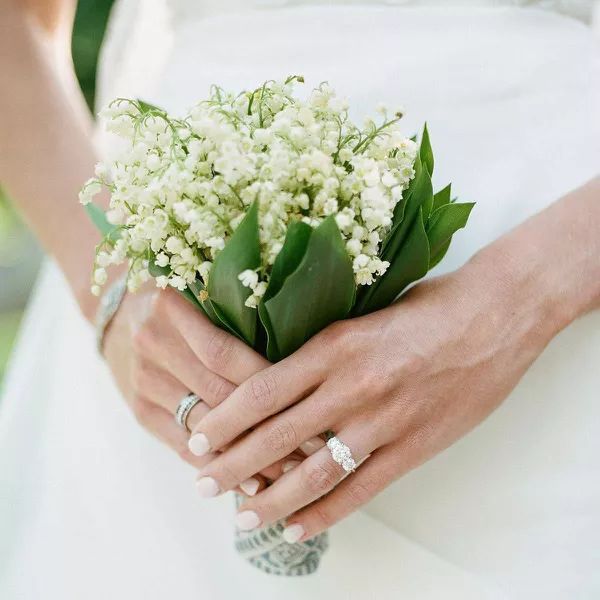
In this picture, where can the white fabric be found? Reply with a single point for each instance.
(93, 508)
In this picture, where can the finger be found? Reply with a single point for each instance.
(221, 352)
(161, 424)
(169, 350)
(253, 485)
(271, 441)
(160, 387)
(278, 468)
(348, 496)
(317, 476)
(262, 396)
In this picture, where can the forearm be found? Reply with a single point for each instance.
(549, 266)
(46, 150)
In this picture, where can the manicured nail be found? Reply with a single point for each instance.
(250, 486)
(207, 487)
(198, 444)
(247, 520)
(293, 533)
(309, 447)
(288, 465)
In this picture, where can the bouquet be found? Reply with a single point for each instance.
(273, 215)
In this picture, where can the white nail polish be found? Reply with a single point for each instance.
(207, 487)
(289, 465)
(309, 447)
(293, 533)
(247, 520)
(250, 486)
(198, 444)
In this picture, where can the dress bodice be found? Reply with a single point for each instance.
(580, 9)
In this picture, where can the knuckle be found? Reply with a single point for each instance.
(162, 302)
(281, 438)
(419, 435)
(261, 393)
(412, 363)
(217, 389)
(143, 339)
(323, 516)
(226, 475)
(140, 375)
(218, 351)
(318, 479)
(338, 333)
(358, 493)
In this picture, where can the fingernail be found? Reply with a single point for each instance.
(309, 447)
(250, 486)
(247, 520)
(289, 465)
(207, 487)
(293, 533)
(198, 444)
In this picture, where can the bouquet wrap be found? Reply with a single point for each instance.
(275, 217)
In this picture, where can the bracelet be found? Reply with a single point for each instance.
(108, 307)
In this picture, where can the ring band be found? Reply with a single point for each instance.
(184, 408)
(341, 454)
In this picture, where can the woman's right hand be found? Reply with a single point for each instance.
(160, 348)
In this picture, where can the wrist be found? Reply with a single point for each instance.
(521, 297)
(540, 271)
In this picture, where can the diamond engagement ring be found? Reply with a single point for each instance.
(184, 409)
(341, 454)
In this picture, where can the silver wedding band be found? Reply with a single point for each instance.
(184, 408)
(341, 454)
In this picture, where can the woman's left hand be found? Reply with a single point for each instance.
(397, 386)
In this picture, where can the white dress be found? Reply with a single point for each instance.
(91, 507)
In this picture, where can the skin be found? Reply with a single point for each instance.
(400, 385)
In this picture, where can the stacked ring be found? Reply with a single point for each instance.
(184, 408)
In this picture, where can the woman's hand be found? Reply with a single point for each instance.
(397, 386)
(160, 348)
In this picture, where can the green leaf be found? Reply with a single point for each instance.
(225, 290)
(442, 197)
(444, 222)
(98, 218)
(287, 261)
(434, 259)
(146, 107)
(289, 257)
(318, 292)
(425, 151)
(410, 264)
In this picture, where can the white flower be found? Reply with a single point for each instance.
(153, 162)
(249, 278)
(100, 276)
(91, 188)
(162, 260)
(354, 247)
(162, 281)
(174, 245)
(178, 282)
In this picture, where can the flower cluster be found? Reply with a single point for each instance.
(180, 187)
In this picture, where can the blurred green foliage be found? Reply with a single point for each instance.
(90, 23)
